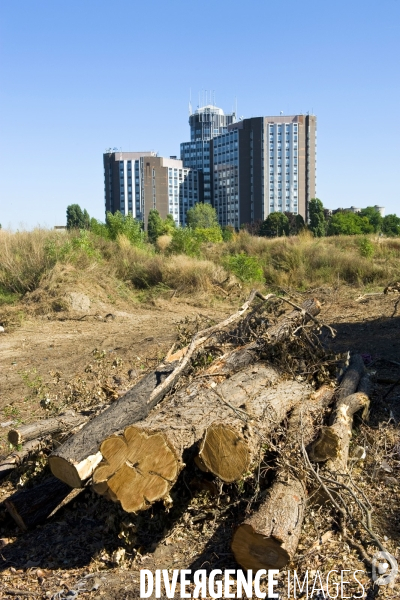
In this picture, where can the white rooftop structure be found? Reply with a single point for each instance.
(210, 108)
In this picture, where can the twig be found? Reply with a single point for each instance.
(242, 414)
(197, 341)
(15, 592)
(343, 512)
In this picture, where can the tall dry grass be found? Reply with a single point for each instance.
(24, 258)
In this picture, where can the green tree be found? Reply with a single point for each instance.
(202, 216)
(296, 223)
(349, 223)
(119, 224)
(208, 234)
(154, 225)
(391, 225)
(77, 218)
(275, 225)
(169, 225)
(374, 217)
(317, 223)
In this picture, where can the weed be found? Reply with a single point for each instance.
(366, 247)
(32, 380)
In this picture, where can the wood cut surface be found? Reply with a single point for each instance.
(139, 468)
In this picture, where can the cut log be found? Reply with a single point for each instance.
(63, 422)
(13, 460)
(75, 461)
(33, 506)
(141, 466)
(231, 444)
(333, 442)
(268, 539)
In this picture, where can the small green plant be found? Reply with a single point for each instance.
(366, 247)
(246, 268)
(32, 380)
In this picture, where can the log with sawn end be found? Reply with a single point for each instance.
(268, 539)
(143, 464)
(63, 422)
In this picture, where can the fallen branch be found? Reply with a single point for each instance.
(63, 422)
(13, 460)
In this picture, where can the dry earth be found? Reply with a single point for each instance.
(81, 361)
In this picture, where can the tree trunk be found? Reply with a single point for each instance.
(269, 538)
(63, 422)
(231, 443)
(76, 460)
(14, 459)
(141, 466)
(283, 329)
(33, 506)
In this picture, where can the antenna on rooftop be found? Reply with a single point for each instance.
(190, 101)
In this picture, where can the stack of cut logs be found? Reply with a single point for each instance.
(221, 416)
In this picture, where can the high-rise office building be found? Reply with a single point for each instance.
(263, 165)
(205, 124)
(136, 182)
(122, 182)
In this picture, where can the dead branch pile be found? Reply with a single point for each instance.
(221, 401)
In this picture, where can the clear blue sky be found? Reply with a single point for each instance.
(77, 77)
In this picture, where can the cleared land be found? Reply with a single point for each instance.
(52, 359)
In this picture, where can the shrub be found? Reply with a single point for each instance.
(366, 247)
(211, 234)
(184, 241)
(246, 268)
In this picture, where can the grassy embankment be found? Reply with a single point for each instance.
(41, 258)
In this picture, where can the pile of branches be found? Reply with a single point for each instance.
(218, 401)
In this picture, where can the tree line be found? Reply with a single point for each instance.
(202, 224)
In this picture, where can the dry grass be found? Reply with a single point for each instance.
(303, 262)
(23, 258)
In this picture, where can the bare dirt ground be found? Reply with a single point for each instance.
(91, 548)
